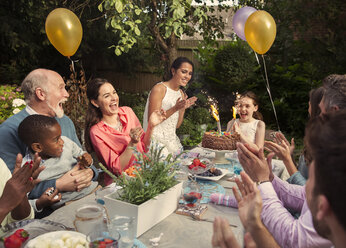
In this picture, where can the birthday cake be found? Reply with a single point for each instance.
(223, 141)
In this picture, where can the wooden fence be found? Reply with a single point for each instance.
(142, 80)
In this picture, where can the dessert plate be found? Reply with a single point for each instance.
(214, 178)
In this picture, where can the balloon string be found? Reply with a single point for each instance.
(72, 64)
(269, 92)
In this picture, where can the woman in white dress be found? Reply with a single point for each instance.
(169, 97)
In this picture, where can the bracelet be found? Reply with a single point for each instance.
(260, 182)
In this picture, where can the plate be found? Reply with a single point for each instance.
(215, 178)
(53, 236)
(34, 227)
(198, 169)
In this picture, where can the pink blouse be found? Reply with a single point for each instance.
(109, 143)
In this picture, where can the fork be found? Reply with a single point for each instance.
(207, 220)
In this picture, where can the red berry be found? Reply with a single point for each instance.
(13, 241)
(22, 234)
(196, 162)
(202, 165)
(191, 166)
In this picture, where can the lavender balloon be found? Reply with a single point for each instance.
(239, 20)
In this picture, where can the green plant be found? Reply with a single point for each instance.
(155, 176)
(11, 101)
(195, 137)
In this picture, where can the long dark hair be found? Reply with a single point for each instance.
(257, 115)
(94, 114)
(315, 96)
(177, 63)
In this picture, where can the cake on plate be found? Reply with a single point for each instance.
(224, 141)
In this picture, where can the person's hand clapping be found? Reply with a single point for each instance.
(180, 103)
(190, 101)
(23, 180)
(279, 138)
(281, 150)
(249, 202)
(156, 118)
(236, 128)
(223, 236)
(254, 164)
(135, 135)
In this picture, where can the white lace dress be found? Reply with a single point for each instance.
(165, 133)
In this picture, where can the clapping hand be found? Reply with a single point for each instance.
(223, 236)
(190, 101)
(157, 117)
(254, 162)
(180, 103)
(236, 128)
(249, 202)
(135, 135)
(23, 180)
(280, 138)
(282, 150)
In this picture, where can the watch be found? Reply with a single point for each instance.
(260, 182)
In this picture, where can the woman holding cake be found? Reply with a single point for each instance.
(169, 96)
(249, 126)
(112, 131)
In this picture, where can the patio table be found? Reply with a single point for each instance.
(178, 230)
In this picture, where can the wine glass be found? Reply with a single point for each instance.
(192, 192)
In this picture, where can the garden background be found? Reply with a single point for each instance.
(309, 45)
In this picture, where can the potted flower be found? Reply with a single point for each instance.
(151, 195)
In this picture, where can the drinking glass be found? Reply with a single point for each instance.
(88, 217)
(192, 194)
(98, 238)
(126, 227)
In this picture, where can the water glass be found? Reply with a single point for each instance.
(99, 238)
(125, 226)
(88, 217)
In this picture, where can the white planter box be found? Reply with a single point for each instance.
(148, 213)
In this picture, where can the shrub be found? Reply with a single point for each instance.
(11, 101)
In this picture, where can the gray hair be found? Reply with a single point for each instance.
(335, 94)
(35, 79)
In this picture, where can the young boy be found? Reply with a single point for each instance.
(42, 134)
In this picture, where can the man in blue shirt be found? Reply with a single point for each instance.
(44, 92)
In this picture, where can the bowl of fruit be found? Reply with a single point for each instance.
(198, 165)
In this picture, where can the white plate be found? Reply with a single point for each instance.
(215, 178)
(53, 236)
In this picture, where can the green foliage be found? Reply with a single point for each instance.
(11, 101)
(289, 85)
(193, 119)
(136, 101)
(155, 176)
(160, 22)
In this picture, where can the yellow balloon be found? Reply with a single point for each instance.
(260, 31)
(64, 31)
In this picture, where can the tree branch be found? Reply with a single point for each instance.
(154, 28)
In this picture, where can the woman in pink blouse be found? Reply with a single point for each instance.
(112, 131)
